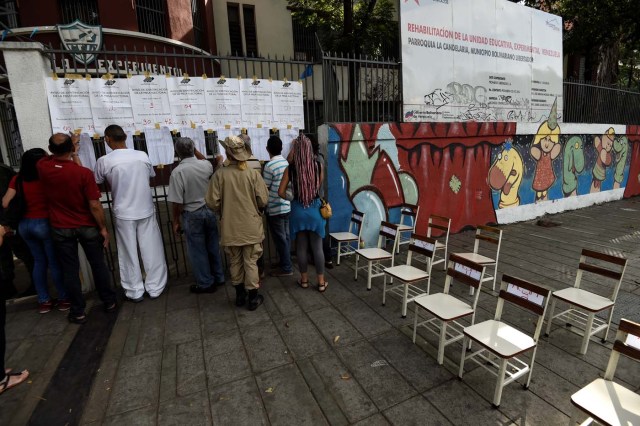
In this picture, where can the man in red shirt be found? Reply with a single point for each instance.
(76, 216)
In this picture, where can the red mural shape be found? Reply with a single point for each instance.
(385, 178)
(633, 181)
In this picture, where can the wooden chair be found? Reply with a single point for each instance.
(443, 224)
(490, 235)
(409, 275)
(346, 240)
(377, 255)
(605, 401)
(583, 304)
(501, 343)
(407, 224)
(445, 309)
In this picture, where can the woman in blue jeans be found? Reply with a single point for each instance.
(35, 230)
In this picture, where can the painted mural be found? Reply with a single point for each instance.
(476, 173)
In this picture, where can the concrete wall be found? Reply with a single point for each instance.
(273, 26)
(475, 173)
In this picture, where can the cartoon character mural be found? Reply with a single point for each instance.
(621, 150)
(544, 150)
(505, 175)
(572, 165)
(603, 145)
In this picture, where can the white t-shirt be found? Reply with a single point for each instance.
(128, 172)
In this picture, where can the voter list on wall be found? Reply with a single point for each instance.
(488, 60)
(143, 102)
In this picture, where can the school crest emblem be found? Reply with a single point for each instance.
(82, 40)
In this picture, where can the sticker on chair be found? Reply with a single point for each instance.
(424, 244)
(633, 341)
(467, 271)
(525, 294)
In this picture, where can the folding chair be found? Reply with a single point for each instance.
(346, 239)
(409, 275)
(375, 256)
(407, 224)
(584, 305)
(500, 343)
(490, 235)
(446, 309)
(605, 401)
(443, 224)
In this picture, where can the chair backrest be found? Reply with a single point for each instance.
(389, 231)
(441, 223)
(525, 294)
(467, 272)
(357, 219)
(421, 245)
(490, 235)
(464, 271)
(627, 343)
(409, 211)
(615, 267)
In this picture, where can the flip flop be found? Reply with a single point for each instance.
(303, 284)
(323, 286)
(7, 383)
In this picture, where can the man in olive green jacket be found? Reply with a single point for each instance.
(238, 194)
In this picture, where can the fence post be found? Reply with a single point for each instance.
(27, 68)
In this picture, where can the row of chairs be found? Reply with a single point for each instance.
(500, 344)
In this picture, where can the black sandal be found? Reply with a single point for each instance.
(80, 319)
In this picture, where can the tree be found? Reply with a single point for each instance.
(605, 32)
(350, 26)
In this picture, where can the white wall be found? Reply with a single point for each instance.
(273, 26)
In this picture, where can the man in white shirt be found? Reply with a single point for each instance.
(128, 172)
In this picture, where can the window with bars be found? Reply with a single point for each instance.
(250, 33)
(152, 17)
(197, 14)
(242, 24)
(235, 29)
(9, 14)
(82, 10)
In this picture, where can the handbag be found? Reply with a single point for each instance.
(325, 209)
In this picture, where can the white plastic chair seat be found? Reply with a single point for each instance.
(374, 253)
(407, 273)
(477, 258)
(608, 403)
(584, 299)
(444, 306)
(500, 338)
(343, 236)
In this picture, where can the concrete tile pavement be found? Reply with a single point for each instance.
(335, 358)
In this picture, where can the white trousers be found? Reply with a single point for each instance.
(146, 234)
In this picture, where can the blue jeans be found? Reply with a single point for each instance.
(37, 234)
(203, 246)
(66, 243)
(279, 226)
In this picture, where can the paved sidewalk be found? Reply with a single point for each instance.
(334, 358)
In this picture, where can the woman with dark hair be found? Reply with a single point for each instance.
(305, 223)
(35, 230)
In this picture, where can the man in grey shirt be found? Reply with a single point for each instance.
(187, 187)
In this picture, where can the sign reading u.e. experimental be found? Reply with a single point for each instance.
(479, 60)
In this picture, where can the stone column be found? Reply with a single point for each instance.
(27, 68)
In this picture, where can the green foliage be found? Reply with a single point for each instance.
(373, 31)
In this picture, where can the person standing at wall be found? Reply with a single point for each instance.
(239, 195)
(34, 228)
(187, 186)
(278, 209)
(128, 172)
(306, 224)
(76, 216)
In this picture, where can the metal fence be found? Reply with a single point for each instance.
(592, 103)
